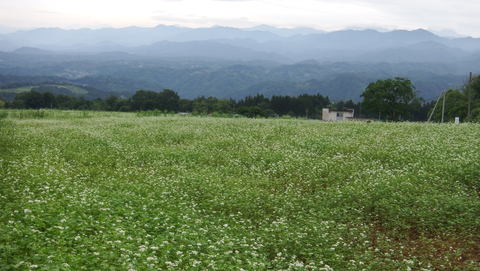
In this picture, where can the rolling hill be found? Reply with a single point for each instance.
(8, 91)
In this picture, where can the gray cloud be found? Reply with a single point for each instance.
(460, 16)
(202, 20)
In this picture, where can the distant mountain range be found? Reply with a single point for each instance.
(231, 62)
(295, 44)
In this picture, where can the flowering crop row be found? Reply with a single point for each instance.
(123, 192)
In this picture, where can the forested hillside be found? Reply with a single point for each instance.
(227, 79)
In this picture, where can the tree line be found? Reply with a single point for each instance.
(390, 99)
(463, 103)
(169, 101)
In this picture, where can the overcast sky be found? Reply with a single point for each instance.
(460, 16)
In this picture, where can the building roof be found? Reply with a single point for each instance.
(345, 110)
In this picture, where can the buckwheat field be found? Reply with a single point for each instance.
(120, 191)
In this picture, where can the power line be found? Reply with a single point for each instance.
(433, 111)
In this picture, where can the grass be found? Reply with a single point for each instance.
(57, 114)
(18, 90)
(119, 191)
(73, 89)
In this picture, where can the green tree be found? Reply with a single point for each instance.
(472, 94)
(168, 100)
(48, 100)
(185, 105)
(31, 99)
(475, 87)
(392, 99)
(455, 106)
(145, 100)
(111, 103)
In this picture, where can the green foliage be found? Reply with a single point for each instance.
(302, 106)
(472, 95)
(210, 105)
(149, 100)
(476, 114)
(474, 86)
(392, 98)
(120, 191)
(253, 111)
(169, 101)
(455, 106)
(458, 102)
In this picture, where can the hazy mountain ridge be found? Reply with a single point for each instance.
(264, 36)
(204, 49)
(263, 43)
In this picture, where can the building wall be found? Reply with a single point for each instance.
(333, 115)
(325, 114)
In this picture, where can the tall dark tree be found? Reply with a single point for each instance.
(391, 99)
(168, 100)
(475, 87)
(472, 93)
(185, 105)
(145, 100)
(31, 99)
(111, 103)
(257, 100)
(49, 100)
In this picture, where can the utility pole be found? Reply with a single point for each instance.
(443, 105)
(469, 90)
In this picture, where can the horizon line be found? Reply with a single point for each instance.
(352, 28)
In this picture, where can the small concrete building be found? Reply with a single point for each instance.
(337, 115)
